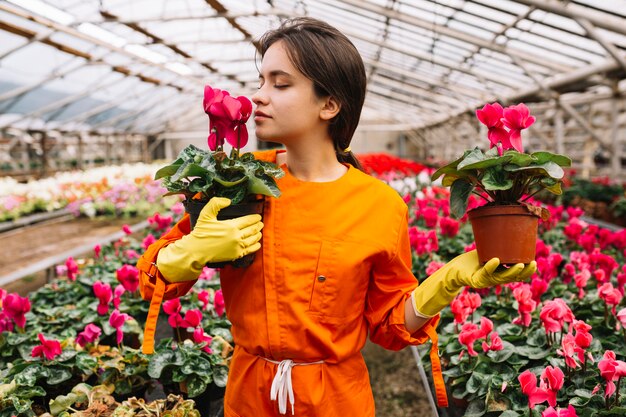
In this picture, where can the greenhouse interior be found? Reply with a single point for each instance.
(422, 200)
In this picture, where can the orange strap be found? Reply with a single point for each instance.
(440, 386)
(153, 316)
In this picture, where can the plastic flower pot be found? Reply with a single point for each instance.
(253, 206)
(507, 232)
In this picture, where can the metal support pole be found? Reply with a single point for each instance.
(559, 130)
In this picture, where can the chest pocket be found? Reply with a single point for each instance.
(341, 279)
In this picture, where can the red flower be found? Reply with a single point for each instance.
(199, 336)
(126, 229)
(193, 318)
(621, 316)
(517, 118)
(49, 348)
(552, 382)
(218, 302)
(15, 308)
(449, 227)
(528, 382)
(227, 118)
(128, 276)
(491, 116)
(72, 268)
(149, 240)
(117, 320)
(96, 250)
(554, 313)
(89, 335)
(104, 294)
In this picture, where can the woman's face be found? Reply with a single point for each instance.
(286, 105)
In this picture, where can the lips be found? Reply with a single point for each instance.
(260, 114)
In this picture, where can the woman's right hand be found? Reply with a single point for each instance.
(211, 240)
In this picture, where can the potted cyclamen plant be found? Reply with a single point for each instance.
(506, 178)
(201, 175)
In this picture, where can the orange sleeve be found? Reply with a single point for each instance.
(391, 284)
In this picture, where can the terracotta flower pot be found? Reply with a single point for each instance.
(252, 206)
(508, 233)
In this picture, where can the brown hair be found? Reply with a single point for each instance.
(328, 58)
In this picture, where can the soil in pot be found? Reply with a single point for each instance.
(253, 206)
(507, 232)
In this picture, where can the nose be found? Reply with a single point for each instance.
(259, 97)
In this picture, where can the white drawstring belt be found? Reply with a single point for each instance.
(282, 388)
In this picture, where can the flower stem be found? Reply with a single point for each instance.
(617, 392)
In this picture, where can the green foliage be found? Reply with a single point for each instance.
(506, 179)
(215, 174)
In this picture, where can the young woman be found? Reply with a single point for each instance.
(334, 263)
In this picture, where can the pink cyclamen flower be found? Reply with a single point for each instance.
(581, 279)
(15, 308)
(126, 229)
(517, 118)
(227, 118)
(218, 302)
(525, 304)
(117, 295)
(554, 314)
(570, 350)
(611, 296)
(199, 336)
(96, 250)
(149, 240)
(570, 411)
(104, 294)
(468, 335)
(608, 371)
(552, 382)
(72, 268)
(495, 345)
(117, 320)
(433, 267)
(491, 116)
(528, 382)
(449, 227)
(49, 348)
(128, 276)
(193, 318)
(89, 335)
(204, 297)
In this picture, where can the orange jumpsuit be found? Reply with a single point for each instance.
(335, 265)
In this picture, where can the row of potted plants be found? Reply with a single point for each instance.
(114, 190)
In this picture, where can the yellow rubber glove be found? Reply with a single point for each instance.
(439, 289)
(211, 240)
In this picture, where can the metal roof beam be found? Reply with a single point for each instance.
(610, 48)
(457, 91)
(227, 15)
(574, 11)
(457, 34)
(172, 47)
(430, 59)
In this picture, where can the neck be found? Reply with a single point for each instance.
(317, 163)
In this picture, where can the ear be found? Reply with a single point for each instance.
(330, 108)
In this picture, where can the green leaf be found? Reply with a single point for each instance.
(63, 402)
(263, 185)
(459, 196)
(220, 375)
(474, 156)
(30, 375)
(57, 375)
(475, 408)
(196, 386)
(537, 338)
(21, 406)
(158, 362)
(475, 381)
(520, 159)
(167, 171)
(448, 169)
(485, 163)
(532, 352)
(558, 159)
(30, 392)
(497, 179)
(547, 168)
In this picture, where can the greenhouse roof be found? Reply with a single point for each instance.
(139, 66)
